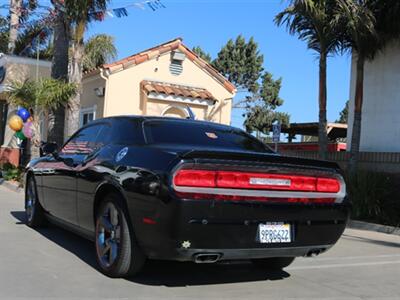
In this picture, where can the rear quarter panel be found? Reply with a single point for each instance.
(139, 176)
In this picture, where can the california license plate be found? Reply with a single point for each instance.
(274, 233)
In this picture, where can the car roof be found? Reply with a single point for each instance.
(156, 118)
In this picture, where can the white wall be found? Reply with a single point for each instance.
(380, 127)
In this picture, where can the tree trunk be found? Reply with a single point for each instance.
(59, 70)
(15, 13)
(75, 76)
(358, 102)
(322, 125)
(36, 138)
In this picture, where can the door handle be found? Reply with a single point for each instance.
(48, 171)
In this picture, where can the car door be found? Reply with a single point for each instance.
(90, 174)
(59, 180)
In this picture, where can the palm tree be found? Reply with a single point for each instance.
(40, 97)
(99, 49)
(59, 69)
(367, 27)
(80, 13)
(15, 15)
(311, 20)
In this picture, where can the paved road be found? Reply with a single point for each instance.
(52, 263)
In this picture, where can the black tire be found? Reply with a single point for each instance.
(35, 216)
(117, 251)
(273, 263)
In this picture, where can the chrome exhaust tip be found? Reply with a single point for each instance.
(315, 252)
(206, 258)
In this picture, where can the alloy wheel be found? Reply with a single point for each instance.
(30, 201)
(108, 235)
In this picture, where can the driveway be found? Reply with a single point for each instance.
(52, 263)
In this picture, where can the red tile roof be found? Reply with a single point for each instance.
(175, 44)
(176, 90)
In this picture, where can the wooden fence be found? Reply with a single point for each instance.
(387, 162)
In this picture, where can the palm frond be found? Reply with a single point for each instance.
(34, 37)
(52, 93)
(358, 27)
(99, 50)
(311, 21)
(45, 94)
(82, 10)
(22, 93)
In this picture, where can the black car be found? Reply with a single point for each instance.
(175, 189)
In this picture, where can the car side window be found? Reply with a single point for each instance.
(104, 136)
(127, 131)
(84, 141)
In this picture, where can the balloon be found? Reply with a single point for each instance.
(27, 130)
(24, 114)
(20, 135)
(16, 123)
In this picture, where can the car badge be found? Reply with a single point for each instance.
(186, 244)
(121, 154)
(270, 181)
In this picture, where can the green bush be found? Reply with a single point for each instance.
(374, 197)
(11, 172)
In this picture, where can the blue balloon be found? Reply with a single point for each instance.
(23, 114)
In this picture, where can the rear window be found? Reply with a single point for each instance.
(201, 134)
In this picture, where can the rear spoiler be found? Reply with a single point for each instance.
(269, 158)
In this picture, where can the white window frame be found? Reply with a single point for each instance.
(87, 110)
(180, 108)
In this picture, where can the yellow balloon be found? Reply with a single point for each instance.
(16, 123)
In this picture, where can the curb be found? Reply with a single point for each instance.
(11, 186)
(352, 224)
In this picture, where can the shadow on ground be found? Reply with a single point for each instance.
(165, 273)
(368, 240)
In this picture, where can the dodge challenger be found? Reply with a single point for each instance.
(175, 189)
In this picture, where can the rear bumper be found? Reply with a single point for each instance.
(242, 254)
(191, 227)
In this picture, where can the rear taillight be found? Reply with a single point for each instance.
(195, 178)
(255, 181)
(328, 185)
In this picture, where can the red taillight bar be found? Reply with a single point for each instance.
(255, 181)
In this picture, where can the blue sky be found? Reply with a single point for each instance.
(210, 23)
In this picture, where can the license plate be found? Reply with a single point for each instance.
(270, 233)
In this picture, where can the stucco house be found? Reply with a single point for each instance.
(380, 125)
(15, 68)
(161, 81)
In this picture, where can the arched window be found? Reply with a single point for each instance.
(175, 112)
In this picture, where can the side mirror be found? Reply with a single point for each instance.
(48, 148)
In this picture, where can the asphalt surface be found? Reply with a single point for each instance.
(55, 264)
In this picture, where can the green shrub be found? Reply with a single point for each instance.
(11, 172)
(374, 197)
